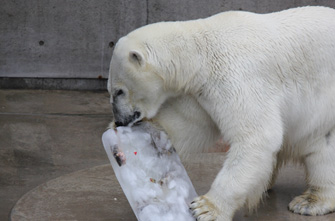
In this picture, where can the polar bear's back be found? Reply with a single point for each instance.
(293, 14)
(307, 16)
(288, 22)
(239, 29)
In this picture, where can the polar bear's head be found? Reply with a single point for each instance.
(136, 86)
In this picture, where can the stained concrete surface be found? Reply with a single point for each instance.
(94, 194)
(53, 83)
(46, 134)
(53, 165)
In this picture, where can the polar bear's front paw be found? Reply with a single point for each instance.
(310, 204)
(203, 209)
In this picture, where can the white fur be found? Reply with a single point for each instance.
(265, 83)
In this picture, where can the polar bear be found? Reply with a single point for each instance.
(265, 83)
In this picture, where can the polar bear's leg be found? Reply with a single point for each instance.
(319, 198)
(275, 172)
(243, 179)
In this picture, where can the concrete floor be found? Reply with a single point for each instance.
(46, 134)
(53, 165)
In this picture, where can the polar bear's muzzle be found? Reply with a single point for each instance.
(124, 112)
(128, 120)
(124, 120)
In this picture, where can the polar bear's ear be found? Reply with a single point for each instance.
(137, 57)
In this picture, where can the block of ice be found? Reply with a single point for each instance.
(150, 173)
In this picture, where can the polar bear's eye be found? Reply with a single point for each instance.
(118, 93)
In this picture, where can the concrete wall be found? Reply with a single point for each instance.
(63, 38)
(74, 38)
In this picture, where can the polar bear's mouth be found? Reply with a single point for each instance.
(129, 120)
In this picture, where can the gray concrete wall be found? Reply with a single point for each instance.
(74, 38)
(63, 38)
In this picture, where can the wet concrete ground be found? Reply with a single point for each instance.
(53, 165)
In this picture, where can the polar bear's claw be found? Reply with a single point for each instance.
(203, 209)
(311, 205)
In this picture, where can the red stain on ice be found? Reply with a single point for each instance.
(135, 153)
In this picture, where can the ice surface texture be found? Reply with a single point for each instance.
(150, 173)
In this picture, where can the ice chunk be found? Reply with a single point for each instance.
(150, 173)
